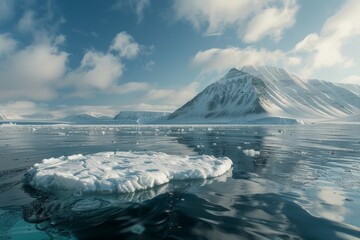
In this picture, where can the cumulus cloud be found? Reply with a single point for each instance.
(220, 59)
(260, 18)
(125, 45)
(39, 70)
(17, 109)
(32, 72)
(325, 49)
(272, 22)
(97, 70)
(102, 70)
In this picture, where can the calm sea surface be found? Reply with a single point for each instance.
(304, 184)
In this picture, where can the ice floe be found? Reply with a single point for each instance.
(121, 172)
(251, 152)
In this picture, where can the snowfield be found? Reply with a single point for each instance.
(121, 172)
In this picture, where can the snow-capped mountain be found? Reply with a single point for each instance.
(86, 118)
(267, 95)
(138, 117)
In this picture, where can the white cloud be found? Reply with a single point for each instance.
(7, 44)
(40, 70)
(307, 44)
(15, 110)
(6, 10)
(266, 17)
(218, 59)
(138, 6)
(32, 72)
(102, 71)
(272, 22)
(175, 97)
(27, 22)
(353, 79)
(324, 50)
(97, 70)
(125, 45)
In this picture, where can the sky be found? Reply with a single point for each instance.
(65, 57)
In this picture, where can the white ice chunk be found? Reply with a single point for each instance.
(251, 152)
(121, 172)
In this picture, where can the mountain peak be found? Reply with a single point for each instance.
(233, 70)
(233, 74)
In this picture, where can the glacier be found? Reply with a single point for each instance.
(267, 95)
(121, 172)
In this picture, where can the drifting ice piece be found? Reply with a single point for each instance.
(121, 172)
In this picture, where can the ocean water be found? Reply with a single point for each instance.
(303, 184)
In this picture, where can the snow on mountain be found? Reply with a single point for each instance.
(139, 117)
(354, 88)
(86, 118)
(266, 95)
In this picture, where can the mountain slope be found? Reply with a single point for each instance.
(230, 97)
(266, 94)
(297, 97)
(354, 88)
(86, 118)
(134, 117)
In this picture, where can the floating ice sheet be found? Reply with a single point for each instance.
(121, 172)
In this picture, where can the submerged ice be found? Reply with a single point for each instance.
(121, 172)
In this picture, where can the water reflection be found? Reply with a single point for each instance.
(65, 213)
(254, 210)
(304, 184)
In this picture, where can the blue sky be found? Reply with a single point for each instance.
(65, 57)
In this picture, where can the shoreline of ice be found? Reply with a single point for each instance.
(121, 172)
